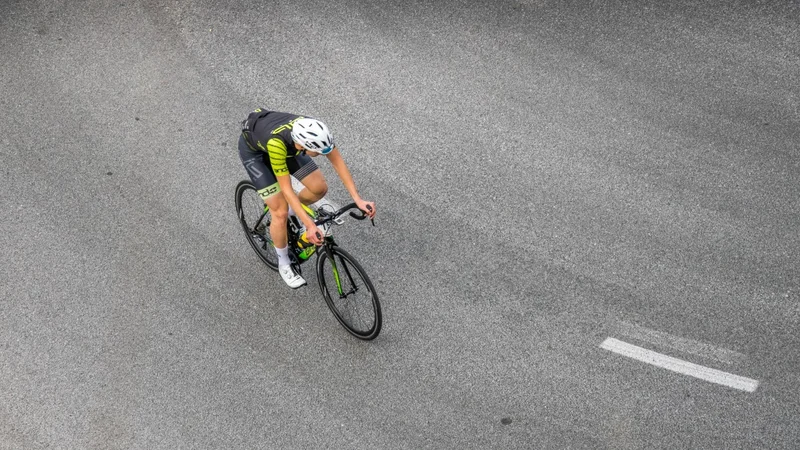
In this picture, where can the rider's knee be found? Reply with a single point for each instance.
(279, 212)
(279, 217)
(320, 190)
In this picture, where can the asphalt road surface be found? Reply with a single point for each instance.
(587, 233)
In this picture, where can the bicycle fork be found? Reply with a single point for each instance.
(338, 278)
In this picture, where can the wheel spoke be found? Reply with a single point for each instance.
(353, 302)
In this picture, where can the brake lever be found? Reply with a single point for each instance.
(371, 219)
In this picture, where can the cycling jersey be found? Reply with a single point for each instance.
(266, 149)
(271, 132)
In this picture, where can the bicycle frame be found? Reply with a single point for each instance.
(327, 245)
(264, 214)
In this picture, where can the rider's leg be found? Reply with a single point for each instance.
(315, 187)
(279, 210)
(306, 171)
(280, 213)
(257, 165)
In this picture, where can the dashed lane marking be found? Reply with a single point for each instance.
(679, 365)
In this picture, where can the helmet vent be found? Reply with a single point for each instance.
(313, 135)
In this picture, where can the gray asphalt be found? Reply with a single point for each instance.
(547, 174)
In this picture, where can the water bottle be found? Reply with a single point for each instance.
(306, 247)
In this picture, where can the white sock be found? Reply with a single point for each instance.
(283, 256)
(291, 211)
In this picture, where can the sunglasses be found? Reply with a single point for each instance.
(322, 151)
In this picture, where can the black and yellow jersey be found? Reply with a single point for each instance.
(271, 132)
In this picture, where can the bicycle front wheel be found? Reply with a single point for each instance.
(255, 220)
(349, 293)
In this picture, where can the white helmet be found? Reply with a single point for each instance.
(313, 135)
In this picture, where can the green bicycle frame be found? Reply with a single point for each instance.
(336, 274)
(336, 277)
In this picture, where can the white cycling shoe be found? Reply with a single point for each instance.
(292, 278)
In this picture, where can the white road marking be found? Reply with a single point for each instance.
(679, 365)
(661, 339)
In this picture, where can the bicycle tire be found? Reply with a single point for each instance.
(249, 207)
(342, 308)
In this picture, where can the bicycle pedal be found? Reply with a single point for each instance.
(338, 220)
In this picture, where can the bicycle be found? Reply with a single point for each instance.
(362, 319)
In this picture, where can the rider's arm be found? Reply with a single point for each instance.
(344, 173)
(277, 158)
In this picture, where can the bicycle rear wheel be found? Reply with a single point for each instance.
(250, 208)
(349, 293)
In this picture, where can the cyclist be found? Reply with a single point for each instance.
(274, 145)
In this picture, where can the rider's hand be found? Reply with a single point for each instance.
(315, 235)
(367, 207)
